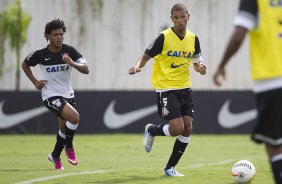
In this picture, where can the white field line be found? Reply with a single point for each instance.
(222, 162)
(104, 171)
(209, 164)
(60, 176)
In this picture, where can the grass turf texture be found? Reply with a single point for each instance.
(120, 158)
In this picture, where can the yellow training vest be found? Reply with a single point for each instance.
(171, 67)
(266, 41)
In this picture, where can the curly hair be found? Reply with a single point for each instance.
(54, 24)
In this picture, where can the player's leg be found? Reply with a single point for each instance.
(72, 119)
(54, 104)
(275, 158)
(61, 139)
(181, 143)
(182, 128)
(170, 107)
(59, 146)
(179, 147)
(268, 129)
(166, 105)
(175, 127)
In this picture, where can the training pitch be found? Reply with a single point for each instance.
(120, 158)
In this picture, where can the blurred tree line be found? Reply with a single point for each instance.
(14, 22)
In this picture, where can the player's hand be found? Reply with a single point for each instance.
(67, 59)
(200, 67)
(40, 84)
(134, 70)
(219, 73)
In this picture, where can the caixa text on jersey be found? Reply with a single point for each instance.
(183, 54)
(57, 68)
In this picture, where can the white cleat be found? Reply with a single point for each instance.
(148, 139)
(172, 172)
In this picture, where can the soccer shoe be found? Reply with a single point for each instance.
(172, 172)
(71, 156)
(148, 139)
(57, 162)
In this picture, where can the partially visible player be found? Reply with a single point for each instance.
(262, 19)
(172, 51)
(56, 62)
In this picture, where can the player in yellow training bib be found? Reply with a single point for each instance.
(262, 19)
(172, 51)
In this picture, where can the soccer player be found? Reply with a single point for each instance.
(56, 62)
(263, 21)
(172, 51)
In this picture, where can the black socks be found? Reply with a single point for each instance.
(178, 150)
(277, 171)
(156, 130)
(59, 146)
(69, 137)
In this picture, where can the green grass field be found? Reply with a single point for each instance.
(120, 158)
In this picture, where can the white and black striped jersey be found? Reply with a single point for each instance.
(54, 70)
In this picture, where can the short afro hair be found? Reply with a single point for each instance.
(179, 7)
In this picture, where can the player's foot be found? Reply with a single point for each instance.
(172, 172)
(71, 156)
(148, 139)
(57, 162)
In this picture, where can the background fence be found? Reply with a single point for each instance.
(112, 34)
(127, 112)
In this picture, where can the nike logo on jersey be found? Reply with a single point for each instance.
(10, 120)
(175, 66)
(228, 119)
(47, 59)
(114, 120)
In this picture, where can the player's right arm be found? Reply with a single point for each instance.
(32, 60)
(140, 64)
(39, 84)
(152, 50)
(244, 21)
(234, 44)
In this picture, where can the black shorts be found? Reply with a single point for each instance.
(269, 127)
(175, 103)
(57, 103)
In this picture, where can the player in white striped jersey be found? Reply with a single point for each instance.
(56, 62)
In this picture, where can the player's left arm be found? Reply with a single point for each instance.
(200, 67)
(198, 64)
(81, 67)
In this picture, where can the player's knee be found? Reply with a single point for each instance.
(177, 131)
(74, 119)
(187, 131)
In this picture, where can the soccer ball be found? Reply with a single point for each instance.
(243, 171)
